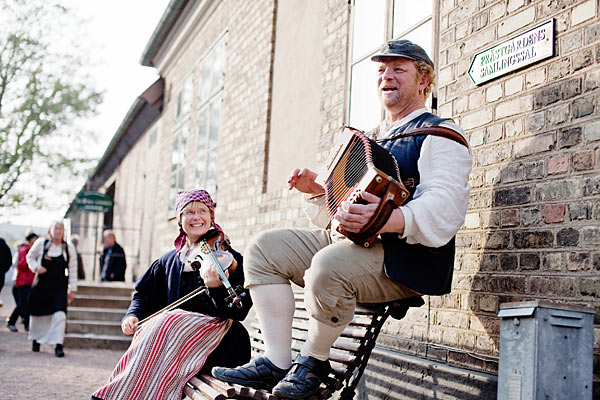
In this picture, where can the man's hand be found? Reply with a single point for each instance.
(353, 217)
(129, 324)
(304, 181)
(41, 270)
(70, 296)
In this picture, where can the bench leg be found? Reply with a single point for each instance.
(349, 391)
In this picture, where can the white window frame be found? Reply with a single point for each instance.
(357, 61)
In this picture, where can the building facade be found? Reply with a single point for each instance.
(255, 89)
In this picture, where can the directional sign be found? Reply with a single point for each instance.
(93, 201)
(534, 45)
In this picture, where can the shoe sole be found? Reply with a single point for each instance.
(253, 384)
(285, 395)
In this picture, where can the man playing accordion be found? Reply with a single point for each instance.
(413, 254)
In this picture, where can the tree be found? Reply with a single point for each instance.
(44, 91)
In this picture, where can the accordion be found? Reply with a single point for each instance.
(357, 163)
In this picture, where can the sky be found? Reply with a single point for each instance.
(116, 32)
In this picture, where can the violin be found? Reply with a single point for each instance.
(207, 253)
(214, 243)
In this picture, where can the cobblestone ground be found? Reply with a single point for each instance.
(28, 375)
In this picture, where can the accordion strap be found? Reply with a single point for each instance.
(432, 130)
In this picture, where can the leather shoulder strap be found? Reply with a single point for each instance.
(437, 131)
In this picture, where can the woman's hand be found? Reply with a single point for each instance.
(70, 296)
(209, 271)
(304, 181)
(129, 324)
(41, 270)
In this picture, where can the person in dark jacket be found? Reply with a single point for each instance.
(5, 262)
(204, 331)
(112, 260)
(22, 287)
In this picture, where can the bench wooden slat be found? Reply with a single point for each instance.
(220, 386)
(191, 393)
(206, 390)
(342, 343)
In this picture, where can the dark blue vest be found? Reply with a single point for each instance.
(427, 270)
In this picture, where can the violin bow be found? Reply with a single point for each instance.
(173, 305)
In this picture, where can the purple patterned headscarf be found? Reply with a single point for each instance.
(185, 197)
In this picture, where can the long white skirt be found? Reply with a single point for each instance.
(48, 329)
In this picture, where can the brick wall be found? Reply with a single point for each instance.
(531, 231)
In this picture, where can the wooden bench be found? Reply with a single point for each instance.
(348, 357)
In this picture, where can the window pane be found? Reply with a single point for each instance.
(175, 156)
(408, 13)
(205, 78)
(219, 65)
(369, 26)
(215, 109)
(211, 187)
(202, 130)
(188, 91)
(422, 37)
(180, 178)
(365, 111)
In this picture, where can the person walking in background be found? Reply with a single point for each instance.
(54, 263)
(80, 269)
(112, 260)
(23, 280)
(5, 262)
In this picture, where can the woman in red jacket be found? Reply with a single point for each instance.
(22, 286)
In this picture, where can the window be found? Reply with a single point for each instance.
(178, 162)
(375, 22)
(212, 70)
(208, 141)
(184, 99)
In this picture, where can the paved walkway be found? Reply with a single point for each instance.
(28, 375)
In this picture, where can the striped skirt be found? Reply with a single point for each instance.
(164, 354)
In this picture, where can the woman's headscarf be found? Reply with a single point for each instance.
(185, 197)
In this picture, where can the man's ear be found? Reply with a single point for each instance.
(424, 82)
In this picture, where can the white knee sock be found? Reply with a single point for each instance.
(320, 339)
(274, 307)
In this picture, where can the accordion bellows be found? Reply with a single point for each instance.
(356, 164)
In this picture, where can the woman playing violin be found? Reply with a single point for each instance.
(204, 331)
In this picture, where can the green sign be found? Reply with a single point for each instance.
(93, 201)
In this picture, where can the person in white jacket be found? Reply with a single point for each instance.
(54, 263)
(413, 255)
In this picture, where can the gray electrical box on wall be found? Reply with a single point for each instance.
(546, 351)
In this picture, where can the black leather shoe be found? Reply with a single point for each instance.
(259, 374)
(12, 327)
(35, 346)
(58, 351)
(304, 378)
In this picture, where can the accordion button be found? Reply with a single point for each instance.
(378, 179)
